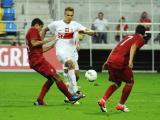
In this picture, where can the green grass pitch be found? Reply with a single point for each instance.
(18, 91)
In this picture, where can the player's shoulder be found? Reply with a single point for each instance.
(75, 22)
(136, 36)
(32, 29)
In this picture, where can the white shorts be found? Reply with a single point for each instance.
(63, 57)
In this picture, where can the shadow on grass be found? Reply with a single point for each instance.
(103, 113)
(29, 104)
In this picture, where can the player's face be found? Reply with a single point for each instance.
(68, 16)
(39, 27)
(100, 16)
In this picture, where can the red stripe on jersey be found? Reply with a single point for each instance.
(66, 35)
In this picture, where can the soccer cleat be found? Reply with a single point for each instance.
(80, 93)
(122, 108)
(72, 102)
(102, 105)
(39, 102)
(75, 97)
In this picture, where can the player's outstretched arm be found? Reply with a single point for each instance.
(47, 48)
(44, 31)
(87, 31)
(36, 43)
(132, 53)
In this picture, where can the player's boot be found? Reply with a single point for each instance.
(75, 97)
(122, 108)
(102, 105)
(39, 102)
(80, 93)
(72, 102)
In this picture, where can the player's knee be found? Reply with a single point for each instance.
(50, 81)
(131, 83)
(70, 64)
(65, 70)
(56, 78)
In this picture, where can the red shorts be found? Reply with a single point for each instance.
(120, 75)
(45, 68)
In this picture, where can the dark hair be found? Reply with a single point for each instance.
(140, 29)
(37, 21)
(100, 13)
(69, 9)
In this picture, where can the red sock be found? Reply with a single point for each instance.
(109, 91)
(125, 93)
(63, 88)
(45, 89)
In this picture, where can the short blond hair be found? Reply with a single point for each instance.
(69, 9)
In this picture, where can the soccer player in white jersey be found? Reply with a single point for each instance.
(65, 31)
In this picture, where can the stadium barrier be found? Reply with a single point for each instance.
(16, 59)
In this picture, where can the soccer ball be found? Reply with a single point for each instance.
(91, 75)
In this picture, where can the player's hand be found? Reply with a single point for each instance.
(48, 40)
(130, 64)
(81, 32)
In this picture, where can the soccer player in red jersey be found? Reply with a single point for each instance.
(144, 19)
(39, 64)
(119, 65)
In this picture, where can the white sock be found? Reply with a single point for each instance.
(73, 84)
(70, 87)
(66, 79)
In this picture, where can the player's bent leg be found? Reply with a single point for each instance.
(63, 88)
(73, 88)
(112, 88)
(71, 74)
(65, 75)
(108, 93)
(126, 92)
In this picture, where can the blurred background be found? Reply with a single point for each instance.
(120, 17)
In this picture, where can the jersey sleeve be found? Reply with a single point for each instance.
(80, 27)
(52, 26)
(34, 34)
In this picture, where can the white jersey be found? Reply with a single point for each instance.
(65, 45)
(101, 24)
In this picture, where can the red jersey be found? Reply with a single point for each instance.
(119, 57)
(145, 20)
(34, 53)
(124, 27)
